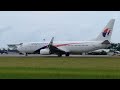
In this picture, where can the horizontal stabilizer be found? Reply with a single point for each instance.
(106, 42)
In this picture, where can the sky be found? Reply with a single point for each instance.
(34, 26)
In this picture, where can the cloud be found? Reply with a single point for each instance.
(29, 26)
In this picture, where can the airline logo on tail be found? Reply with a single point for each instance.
(106, 32)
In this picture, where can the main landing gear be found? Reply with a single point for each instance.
(60, 55)
(67, 54)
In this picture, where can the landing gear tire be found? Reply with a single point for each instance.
(67, 54)
(26, 54)
(59, 55)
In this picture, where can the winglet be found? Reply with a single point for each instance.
(21, 44)
(51, 42)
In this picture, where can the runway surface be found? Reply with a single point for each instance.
(38, 55)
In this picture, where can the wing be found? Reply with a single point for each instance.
(54, 49)
(38, 50)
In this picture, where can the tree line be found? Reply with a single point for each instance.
(114, 47)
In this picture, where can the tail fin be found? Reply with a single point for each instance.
(107, 32)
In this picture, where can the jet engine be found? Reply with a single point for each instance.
(45, 51)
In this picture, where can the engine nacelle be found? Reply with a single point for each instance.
(45, 51)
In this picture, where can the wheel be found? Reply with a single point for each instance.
(67, 54)
(59, 55)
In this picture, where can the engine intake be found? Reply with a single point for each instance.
(45, 52)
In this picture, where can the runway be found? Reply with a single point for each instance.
(38, 55)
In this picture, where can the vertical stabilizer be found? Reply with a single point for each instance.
(107, 31)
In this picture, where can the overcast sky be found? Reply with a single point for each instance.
(34, 26)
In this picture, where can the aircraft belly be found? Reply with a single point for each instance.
(78, 49)
(31, 49)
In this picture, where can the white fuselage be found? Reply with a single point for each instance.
(67, 46)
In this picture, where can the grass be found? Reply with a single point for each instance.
(59, 68)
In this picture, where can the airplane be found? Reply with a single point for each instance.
(66, 48)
